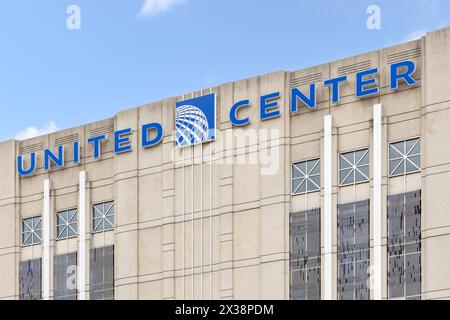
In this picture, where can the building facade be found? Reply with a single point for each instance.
(337, 195)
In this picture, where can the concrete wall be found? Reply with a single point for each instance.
(191, 228)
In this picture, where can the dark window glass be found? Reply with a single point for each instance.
(305, 255)
(353, 251)
(30, 280)
(65, 276)
(404, 245)
(102, 273)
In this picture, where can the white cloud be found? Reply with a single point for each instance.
(32, 132)
(152, 7)
(419, 33)
(416, 34)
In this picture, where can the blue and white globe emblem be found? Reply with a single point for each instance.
(191, 125)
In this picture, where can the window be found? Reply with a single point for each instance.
(30, 280)
(31, 231)
(102, 273)
(404, 157)
(306, 176)
(103, 216)
(353, 251)
(65, 276)
(404, 246)
(354, 167)
(66, 224)
(305, 255)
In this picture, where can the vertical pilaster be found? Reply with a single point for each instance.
(224, 287)
(227, 236)
(168, 227)
(328, 209)
(377, 202)
(46, 273)
(82, 218)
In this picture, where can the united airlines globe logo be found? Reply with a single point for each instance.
(192, 125)
(195, 121)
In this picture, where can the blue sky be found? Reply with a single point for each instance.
(133, 52)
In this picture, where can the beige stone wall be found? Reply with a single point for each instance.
(9, 232)
(193, 229)
(435, 176)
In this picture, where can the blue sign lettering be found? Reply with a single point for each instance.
(195, 120)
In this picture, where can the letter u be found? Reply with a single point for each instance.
(30, 170)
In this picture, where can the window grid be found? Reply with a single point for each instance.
(404, 157)
(66, 224)
(305, 176)
(30, 280)
(103, 216)
(404, 246)
(353, 251)
(31, 231)
(102, 273)
(354, 167)
(65, 276)
(305, 255)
